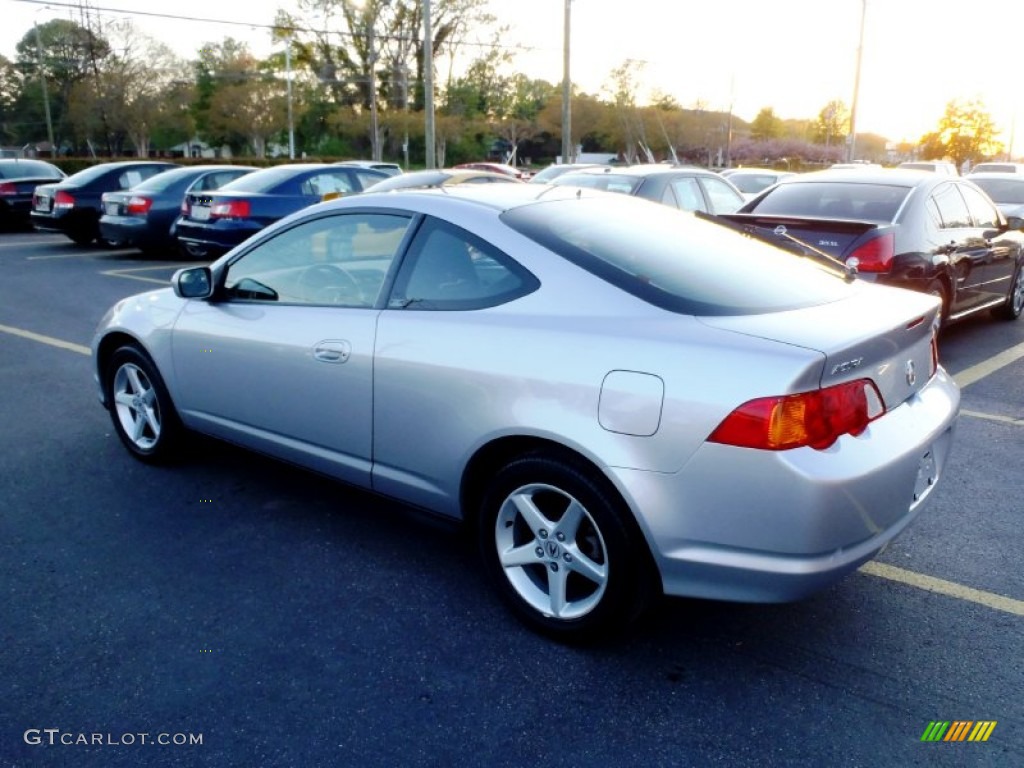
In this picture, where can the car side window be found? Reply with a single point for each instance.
(684, 193)
(129, 179)
(367, 179)
(340, 260)
(448, 268)
(952, 207)
(723, 198)
(328, 185)
(982, 211)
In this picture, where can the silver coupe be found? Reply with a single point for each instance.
(618, 398)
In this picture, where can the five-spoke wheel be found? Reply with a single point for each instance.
(140, 407)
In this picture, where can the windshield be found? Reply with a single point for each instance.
(675, 260)
(28, 169)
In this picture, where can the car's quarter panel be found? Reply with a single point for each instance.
(743, 524)
(258, 374)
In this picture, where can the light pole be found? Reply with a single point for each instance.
(291, 117)
(428, 86)
(851, 148)
(567, 153)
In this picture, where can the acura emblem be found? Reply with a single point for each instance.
(911, 373)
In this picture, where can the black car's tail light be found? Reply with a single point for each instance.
(876, 255)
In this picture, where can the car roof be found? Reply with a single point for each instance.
(496, 197)
(907, 177)
(652, 169)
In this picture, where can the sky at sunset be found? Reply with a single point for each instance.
(792, 55)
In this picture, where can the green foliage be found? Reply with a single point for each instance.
(965, 132)
(833, 124)
(766, 125)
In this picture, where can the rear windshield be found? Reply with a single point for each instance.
(262, 181)
(834, 200)
(27, 169)
(1003, 190)
(751, 182)
(675, 260)
(613, 182)
(165, 180)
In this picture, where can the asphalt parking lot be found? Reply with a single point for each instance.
(232, 611)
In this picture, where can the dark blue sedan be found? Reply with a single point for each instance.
(144, 215)
(213, 223)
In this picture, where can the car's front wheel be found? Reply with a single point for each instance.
(140, 407)
(561, 548)
(1014, 304)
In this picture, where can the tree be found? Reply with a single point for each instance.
(833, 123)
(766, 125)
(965, 133)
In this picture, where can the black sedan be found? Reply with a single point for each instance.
(924, 231)
(1006, 191)
(18, 181)
(144, 215)
(73, 206)
(685, 187)
(212, 223)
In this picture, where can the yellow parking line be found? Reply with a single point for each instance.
(46, 340)
(986, 367)
(943, 587)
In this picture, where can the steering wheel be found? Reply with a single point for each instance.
(329, 284)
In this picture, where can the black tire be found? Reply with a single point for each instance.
(576, 576)
(81, 237)
(1014, 304)
(140, 407)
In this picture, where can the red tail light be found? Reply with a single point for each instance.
(184, 206)
(875, 255)
(232, 209)
(63, 200)
(816, 419)
(7, 188)
(139, 206)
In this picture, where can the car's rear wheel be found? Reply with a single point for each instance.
(1014, 304)
(81, 236)
(140, 407)
(562, 549)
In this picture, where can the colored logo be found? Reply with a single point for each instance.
(958, 730)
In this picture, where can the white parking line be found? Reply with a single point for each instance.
(943, 587)
(123, 272)
(977, 372)
(70, 346)
(76, 255)
(993, 417)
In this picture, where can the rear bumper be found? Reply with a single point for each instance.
(220, 236)
(763, 526)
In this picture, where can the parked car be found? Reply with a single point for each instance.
(1006, 191)
(18, 181)
(391, 169)
(688, 188)
(593, 384)
(927, 232)
(554, 171)
(753, 181)
(440, 177)
(932, 166)
(144, 215)
(509, 170)
(212, 223)
(73, 206)
(997, 168)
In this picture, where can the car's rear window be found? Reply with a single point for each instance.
(25, 169)
(859, 201)
(261, 181)
(1004, 191)
(612, 182)
(675, 260)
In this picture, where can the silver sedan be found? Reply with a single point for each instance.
(620, 399)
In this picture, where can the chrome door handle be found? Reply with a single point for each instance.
(332, 351)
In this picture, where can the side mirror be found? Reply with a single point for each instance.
(1015, 222)
(193, 283)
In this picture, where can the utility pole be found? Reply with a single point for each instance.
(371, 19)
(46, 93)
(428, 85)
(567, 153)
